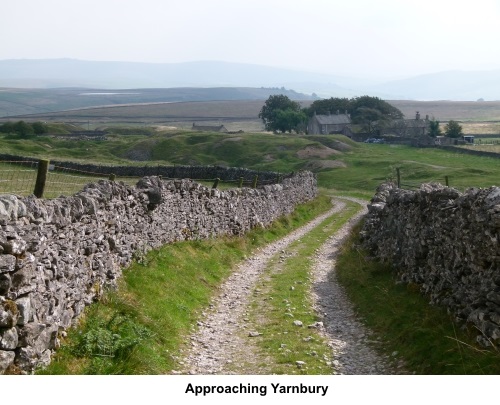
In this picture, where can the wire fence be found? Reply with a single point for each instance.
(18, 177)
(414, 185)
(66, 181)
(46, 180)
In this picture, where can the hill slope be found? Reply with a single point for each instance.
(15, 102)
(57, 73)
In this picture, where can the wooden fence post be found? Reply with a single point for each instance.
(446, 181)
(112, 177)
(41, 177)
(216, 183)
(240, 185)
(255, 179)
(399, 177)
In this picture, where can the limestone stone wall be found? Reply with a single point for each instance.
(445, 241)
(57, 256)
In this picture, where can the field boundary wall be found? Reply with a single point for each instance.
(58, 256)
(471, 151)
(446, 242)
(170, 172)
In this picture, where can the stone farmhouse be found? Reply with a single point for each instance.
(329, 124)
(408, 128)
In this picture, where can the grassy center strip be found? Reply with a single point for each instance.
(140, 328)
(282, 311)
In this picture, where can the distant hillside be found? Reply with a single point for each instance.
(16, 102)
(452, 85)
(58, 73)
(51, 73)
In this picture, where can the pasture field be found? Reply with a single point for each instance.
(483, 128)
(450, 110)
(485, 148)
(370, 165)
(340, 164)
(485, 144)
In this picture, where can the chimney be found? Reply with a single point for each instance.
(417, 116)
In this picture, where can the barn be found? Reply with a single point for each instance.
(329, 124)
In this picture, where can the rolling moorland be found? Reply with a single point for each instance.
(236, 108)
(343, 167)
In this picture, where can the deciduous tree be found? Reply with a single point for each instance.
(453, 129)
(279, 113)
(434, 129)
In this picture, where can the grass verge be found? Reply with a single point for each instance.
(425, 337)
(139, 328)
(283, 297)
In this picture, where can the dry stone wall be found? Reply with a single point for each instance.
(169, 172)
(57, 256)
(445, 241)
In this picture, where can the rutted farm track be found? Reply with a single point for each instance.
(226, 340)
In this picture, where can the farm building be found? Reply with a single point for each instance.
(408, 127)
(209, 128)
(329, 124)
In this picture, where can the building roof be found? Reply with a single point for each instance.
(410, 123)
(215, 128)
(333, 119)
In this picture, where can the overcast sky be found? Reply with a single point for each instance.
(358, 38)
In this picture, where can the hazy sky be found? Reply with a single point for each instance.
(359, 38)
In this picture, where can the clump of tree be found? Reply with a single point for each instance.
(280, 114)
(328, 106)
(453, 129)
(24, 129)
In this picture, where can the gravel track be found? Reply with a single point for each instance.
(350, 341)
(221, 343)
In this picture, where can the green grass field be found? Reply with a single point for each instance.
(358, 168)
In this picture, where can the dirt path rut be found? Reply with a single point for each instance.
(221, 345)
